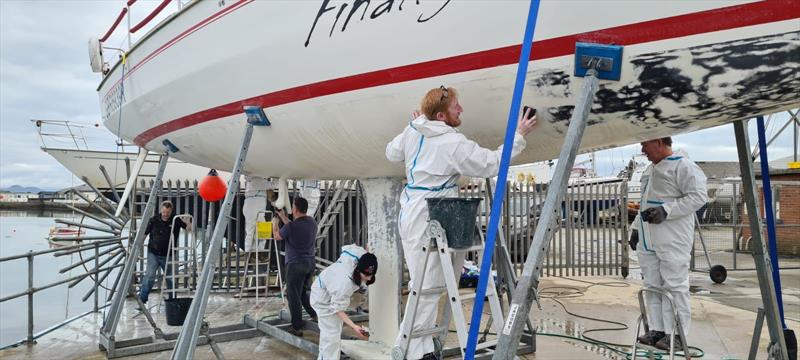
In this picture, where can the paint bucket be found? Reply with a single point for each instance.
(176, 310)
(457, 217)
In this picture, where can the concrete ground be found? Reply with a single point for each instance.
(722, 321)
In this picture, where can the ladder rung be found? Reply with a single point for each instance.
(470, 296)
(486, 344)
(259, 275)
(175, 290)
(259, 288)
(434, 291)
(426, 332)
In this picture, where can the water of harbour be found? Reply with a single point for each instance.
(23, 231)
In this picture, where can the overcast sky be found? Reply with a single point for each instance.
(45, 74)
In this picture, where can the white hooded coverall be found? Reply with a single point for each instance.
(330, 293)
(255, 200)
(435, 155)
(665, 249)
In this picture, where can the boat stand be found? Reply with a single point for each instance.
(764, 266)
(524, 294)
(195, 331)
(596, 61)
(190, 332)
(278, 328)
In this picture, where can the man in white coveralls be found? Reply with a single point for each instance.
(673, 188)
(435, 155)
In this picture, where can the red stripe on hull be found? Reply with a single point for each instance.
(643, 32)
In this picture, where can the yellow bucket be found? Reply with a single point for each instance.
(264, 229)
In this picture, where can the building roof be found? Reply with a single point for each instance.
(719, 169)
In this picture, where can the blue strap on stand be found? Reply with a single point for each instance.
(500, 189)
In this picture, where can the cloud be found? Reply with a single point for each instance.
(45, 74)
(713, 144)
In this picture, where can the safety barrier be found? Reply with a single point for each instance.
(726, 230)
(101, 270)
(590, 229)
(133, 29)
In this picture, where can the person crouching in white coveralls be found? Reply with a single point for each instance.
(255, 200)
(673, 188)
(330, 297)
(435, 155)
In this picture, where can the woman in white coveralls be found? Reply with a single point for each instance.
(330, 297)
(435, 155)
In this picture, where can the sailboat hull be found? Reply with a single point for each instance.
(338, 80)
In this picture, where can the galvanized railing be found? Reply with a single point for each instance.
(349, 228)
(591, 228)
(100, 271)
(725, 229)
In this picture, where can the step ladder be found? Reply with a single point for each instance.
(333, 209)
(454, 309)
(181, 262)
(135, 218)
(178, 268)
(253, 278)
(331, 212)
(676, 326)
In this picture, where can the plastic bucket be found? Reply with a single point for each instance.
(176, 310)
(457, 217)
(264, 229)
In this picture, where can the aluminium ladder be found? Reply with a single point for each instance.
(438, 244)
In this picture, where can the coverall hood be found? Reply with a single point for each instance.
(431, 128)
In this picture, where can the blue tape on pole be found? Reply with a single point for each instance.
(773, 244)
(500, 189)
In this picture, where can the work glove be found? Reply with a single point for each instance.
(654, 215)
(634, 240)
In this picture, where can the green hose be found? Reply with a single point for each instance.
(566, 292)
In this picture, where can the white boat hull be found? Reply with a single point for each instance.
(336, 100)
(86, 163)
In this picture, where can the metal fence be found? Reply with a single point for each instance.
(724, 227)
(590, 230)
(587, 243)
(348, 228)
(96, 271)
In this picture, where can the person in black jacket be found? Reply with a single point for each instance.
(160, 228)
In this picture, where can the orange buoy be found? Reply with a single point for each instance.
(212, 188)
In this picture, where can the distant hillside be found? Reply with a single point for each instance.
(22, 189)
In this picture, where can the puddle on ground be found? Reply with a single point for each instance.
(699, 290)
(574, 329)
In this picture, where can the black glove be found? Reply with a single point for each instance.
(654, 215)
(634, 240)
